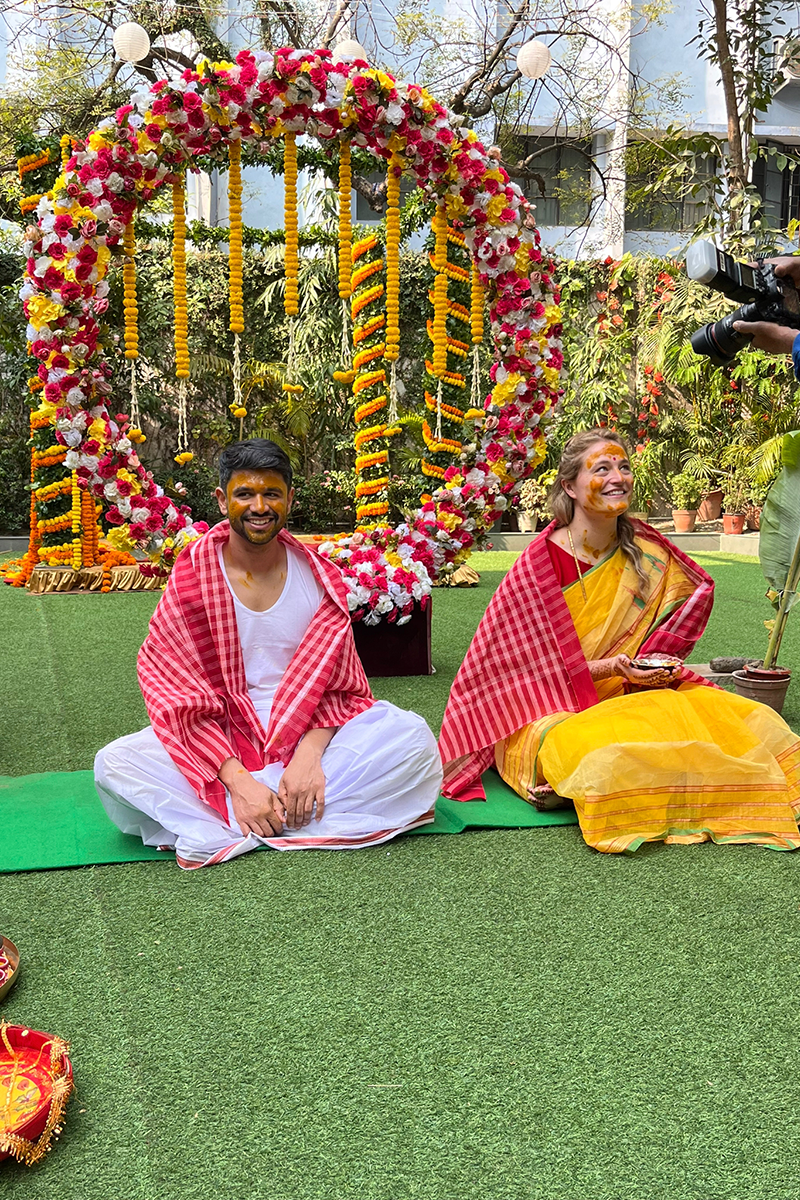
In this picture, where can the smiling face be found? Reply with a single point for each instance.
(257, 504)
(603, 486)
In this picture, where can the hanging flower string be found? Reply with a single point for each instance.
(235, 294)
(184, 454)
(369, 385)
(345, 242)
(291, 295)
(392, 353)
(477, 301)
(131, 318)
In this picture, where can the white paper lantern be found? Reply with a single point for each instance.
(131, 42)
(348, 50)
(534, 60)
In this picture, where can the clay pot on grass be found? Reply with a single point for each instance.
(684, 519)
(733, 523)
(710, 506)
(765, 686)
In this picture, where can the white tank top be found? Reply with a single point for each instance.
(269, 639)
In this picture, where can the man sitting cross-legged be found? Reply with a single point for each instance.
(264, 730)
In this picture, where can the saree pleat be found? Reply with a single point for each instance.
(683, 764)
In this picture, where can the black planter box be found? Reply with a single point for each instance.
(391, 649)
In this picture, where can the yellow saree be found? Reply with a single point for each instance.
(688, 764)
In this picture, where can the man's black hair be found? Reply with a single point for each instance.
(256, 454)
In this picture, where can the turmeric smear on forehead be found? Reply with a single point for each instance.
(609, 450)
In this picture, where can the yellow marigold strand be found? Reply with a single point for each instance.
(179, 280)
(345, 222)
(393, 258)
(439, 365)
(77, 553)
(130, 307)
(235, 237)
(476, 306)
(291, 295)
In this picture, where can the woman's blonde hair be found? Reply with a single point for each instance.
(562, 506)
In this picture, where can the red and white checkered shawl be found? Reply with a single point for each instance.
(192, 675)
(525, 661)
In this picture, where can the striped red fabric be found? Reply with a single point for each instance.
(525, 661)
(192, 674)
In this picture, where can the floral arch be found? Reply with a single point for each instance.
(84, 462)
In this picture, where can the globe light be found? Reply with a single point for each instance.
(348, 50)
(534, 60)
(131, 42)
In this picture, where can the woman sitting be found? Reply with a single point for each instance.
(550, 690)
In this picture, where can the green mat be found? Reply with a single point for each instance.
(56, 820)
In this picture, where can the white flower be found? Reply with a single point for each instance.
(95, 186)
(75, 396)
(72, 460)
(124, 505)
(72, 437)
(110, 490)
(103, 211)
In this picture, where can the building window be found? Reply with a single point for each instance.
(778, 185)
(679, 206)
(557, 178)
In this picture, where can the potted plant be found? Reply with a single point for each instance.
(710, 505)
(735, 501)
(686, 492)
(779, 554)
(533, 501)
(752, 512)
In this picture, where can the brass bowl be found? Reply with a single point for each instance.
(11, 954)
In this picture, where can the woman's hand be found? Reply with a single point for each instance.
(620, 664)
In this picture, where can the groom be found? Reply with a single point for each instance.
(263, 727)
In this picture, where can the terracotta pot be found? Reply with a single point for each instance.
(752, 518)
(772, 690)
(733, 523)
(710, 506)
(684, 519)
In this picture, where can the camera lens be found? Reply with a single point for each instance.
(719, 341)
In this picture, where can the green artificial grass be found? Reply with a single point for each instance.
(504, 1015)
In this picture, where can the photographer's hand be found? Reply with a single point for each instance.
(775, 339)
(787, 265)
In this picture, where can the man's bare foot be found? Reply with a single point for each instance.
(543, 798)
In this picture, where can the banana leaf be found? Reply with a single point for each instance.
(780, 523)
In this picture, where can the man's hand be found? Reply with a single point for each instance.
(302, 785)
(775, 339)
(255, 806)
(786, 265)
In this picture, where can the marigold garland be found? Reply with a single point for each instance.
(369, 385)
(236, 304)
(477, 299)
(372, 432)
(179, 279)
(433, 471)
(440, 293)
(345, 222)
(393, 258)
(291, 295)
(129, 305)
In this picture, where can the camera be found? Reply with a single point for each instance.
(762, 295)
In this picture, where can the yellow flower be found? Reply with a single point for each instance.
(449, 520)
(394, 560)
(120, 539)
(504, 392)
(97, 430)
(455, 207)
(494, 209)
(42, 310)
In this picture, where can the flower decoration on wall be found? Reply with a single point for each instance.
(80, 226)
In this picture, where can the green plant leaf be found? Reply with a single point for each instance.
(780, 518)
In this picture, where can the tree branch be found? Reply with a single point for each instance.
(333, 25)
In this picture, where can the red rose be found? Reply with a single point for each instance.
(70, 291)
(114, 516)
(153, 522)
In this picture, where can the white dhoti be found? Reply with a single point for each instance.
(382, 777)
